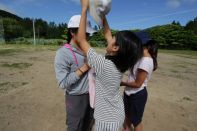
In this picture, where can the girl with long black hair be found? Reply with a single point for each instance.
(123, 51)
(135, 94)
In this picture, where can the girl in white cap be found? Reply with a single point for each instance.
(123, 51)
(72, 75)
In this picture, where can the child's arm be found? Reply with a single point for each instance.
(107, 31)
(140, 78)
(81, 35)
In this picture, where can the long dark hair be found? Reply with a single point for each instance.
(69, 35)
(152, 47)
(130, 50)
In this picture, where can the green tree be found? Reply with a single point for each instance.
(192, 25)
(12, 28)
(173, 36)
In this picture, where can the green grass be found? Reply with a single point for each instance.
(9, 52)
(9, 83)
(11, 48)
(174, 71)
(181, 66)
(187, 98)
(181, 53)
(4, 84)
(17, 65)
(6, 49)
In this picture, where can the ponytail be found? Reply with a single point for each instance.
(152, 47)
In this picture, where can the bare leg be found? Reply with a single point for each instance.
(138, 127)
(127, 124)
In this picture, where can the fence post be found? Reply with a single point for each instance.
(2, 39)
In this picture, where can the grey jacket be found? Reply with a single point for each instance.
(65, 67)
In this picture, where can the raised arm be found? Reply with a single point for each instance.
(107, 31)
(81, 35)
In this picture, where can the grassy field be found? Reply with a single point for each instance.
(31, 101)
(191, 54)
(18, 47)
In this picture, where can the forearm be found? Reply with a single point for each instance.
(82, 27)
(81, 35)
(73, 77)
(140, 78)
(82, 70)
(132, 84)
(68, 80)
(107, 31)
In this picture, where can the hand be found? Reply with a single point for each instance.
(84, 4)
(123, 83)
(85, 67)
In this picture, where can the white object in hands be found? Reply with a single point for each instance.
(99, 8)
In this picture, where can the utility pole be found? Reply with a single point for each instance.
(34, 32)
(2, 40)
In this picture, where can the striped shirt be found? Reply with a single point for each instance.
(108, 103)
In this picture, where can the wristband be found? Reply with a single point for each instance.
(80, 70)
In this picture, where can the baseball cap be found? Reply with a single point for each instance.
(75, 21)
(99, 8)
(144, 36)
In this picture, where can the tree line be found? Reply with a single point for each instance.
(175, 36)
(169, 36)
(15, 27)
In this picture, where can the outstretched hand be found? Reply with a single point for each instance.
(85, 4)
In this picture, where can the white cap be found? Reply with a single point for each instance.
(75, 21)
(99, 8)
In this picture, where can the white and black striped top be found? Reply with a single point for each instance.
(108, 103)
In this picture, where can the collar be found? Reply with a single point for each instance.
(76, 49)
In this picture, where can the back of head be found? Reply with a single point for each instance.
(152, 47)
(130, 50)
(150, 44)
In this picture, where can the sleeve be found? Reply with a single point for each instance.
(96, 61)
(146, 65)
(62, 69)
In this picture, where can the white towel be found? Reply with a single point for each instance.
(99, 8)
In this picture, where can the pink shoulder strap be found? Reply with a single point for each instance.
(68, 46)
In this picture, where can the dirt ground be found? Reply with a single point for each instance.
(31, 101)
